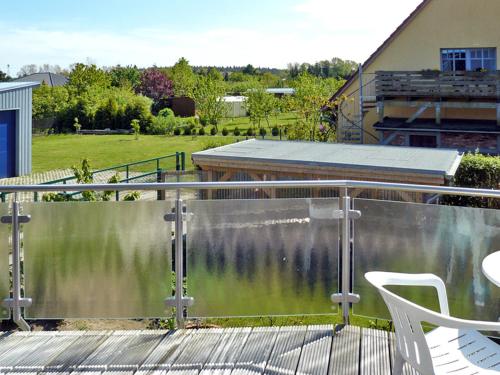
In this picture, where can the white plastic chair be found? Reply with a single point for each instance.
(455, 347)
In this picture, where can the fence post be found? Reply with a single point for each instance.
(127, 173)
(179, 263)
(16, 302)
(177, 162)
(183, 161)
(159, 195)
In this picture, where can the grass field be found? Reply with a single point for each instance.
(63, 151)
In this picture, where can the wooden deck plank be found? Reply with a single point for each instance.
(256, 351)
(224, 357)
(374, 352)
(315, 355)
(285, 356)
(264, 350)
(166, 352)
(197, 351)
(345, 352)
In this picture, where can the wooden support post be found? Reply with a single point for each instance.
(438, 113)
(380, 111)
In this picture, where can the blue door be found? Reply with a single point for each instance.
(7, 143)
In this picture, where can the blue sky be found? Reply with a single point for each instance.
(212, 32)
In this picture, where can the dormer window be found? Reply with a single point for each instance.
(471, 59)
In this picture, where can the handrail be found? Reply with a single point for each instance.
(444, 190)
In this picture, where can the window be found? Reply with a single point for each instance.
(423, 141)
(474, 59)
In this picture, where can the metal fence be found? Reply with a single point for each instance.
(239, 257)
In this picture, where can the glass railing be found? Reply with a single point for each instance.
(240, 257)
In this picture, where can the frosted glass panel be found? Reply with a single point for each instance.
(450, 242)
(4, 261)
(262, 257)
(97, 260)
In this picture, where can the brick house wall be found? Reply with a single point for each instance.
(486, 143)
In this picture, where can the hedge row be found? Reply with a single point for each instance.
(480, 172)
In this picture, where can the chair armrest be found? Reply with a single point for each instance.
(381, 279)
(451, 322)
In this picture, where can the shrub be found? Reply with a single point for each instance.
(213, 131)
(136, 127)
(236, 131)
(275, 131)
(477, 171)
(201, 131)
(187, 130)
(177, 131)
(166, 112)
(262, 132)
(161, 126)
(225, 132)
(250, 132)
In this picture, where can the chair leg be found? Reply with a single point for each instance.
(399, 362)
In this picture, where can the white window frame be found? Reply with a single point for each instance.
(469, 57)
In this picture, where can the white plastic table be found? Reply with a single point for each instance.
(491, 268)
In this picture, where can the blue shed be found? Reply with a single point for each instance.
(15, 128)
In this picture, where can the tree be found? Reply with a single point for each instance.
(49, 101)
(260, 106)
(83, 77)
(155, 85)
(312, 94)
(208, 95)
(4, 77)
(26, 70)
(125, 76)
(183, 78)
(249, 69)
(215, 74)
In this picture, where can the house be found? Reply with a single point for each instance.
(15, 128)
(50, 79)
(265, 160)
(433, 83)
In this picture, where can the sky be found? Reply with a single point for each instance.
(269, 33)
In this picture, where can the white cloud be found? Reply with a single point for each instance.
(322, 29)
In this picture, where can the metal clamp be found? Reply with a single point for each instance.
(186, 301)
(22, 219)
(349, 298)
(352, 214)
(12, 303)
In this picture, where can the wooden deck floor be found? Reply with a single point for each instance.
(284, 350)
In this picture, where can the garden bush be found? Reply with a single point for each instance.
(476, 171)
(166, 112)
(177, 131)
(262, 132)
(161, 126)
(275, 131)
(250, 132)
(225, 132)
(187, 130)
(236, 131)
(213, 131)
(201, 131)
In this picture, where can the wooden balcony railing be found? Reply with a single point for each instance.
(468, 85)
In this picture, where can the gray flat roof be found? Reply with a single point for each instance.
(6, 86)
(443, 162)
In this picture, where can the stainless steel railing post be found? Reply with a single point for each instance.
(346, 255)
(179, 262)
(16, 302)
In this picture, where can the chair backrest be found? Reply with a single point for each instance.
(410, 337)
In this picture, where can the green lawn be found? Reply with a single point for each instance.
(63, 151)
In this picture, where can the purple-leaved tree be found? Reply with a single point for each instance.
(155, 85)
